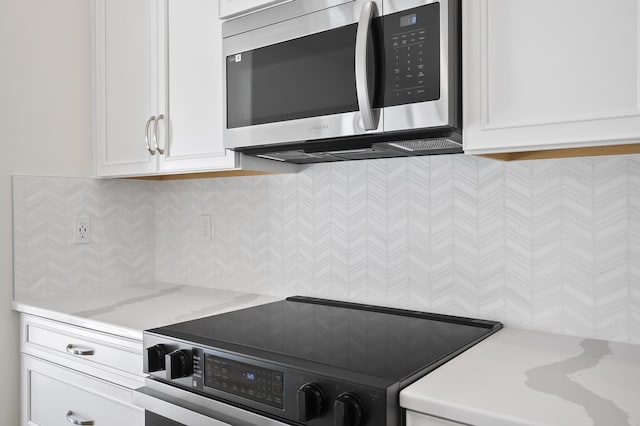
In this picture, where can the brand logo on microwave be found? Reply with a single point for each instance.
(318, 127)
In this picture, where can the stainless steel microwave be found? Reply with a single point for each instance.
(326, 80)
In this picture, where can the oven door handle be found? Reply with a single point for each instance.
(363, 35)
(192, 409)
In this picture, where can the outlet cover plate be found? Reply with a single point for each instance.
(81, 230)
(203, 228)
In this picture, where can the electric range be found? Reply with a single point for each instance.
(299, 361)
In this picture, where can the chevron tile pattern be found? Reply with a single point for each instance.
(543, 245)
(418, 252)
(611, 252)
(465, 229)
(548, 245)
(339, 234)
(357, 261)
(122, 234)
(491, 250)
(397, 220)
(441, 234)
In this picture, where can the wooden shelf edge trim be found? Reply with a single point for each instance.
(566, 153)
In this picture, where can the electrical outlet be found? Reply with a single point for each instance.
(203, 229)
(81, 230)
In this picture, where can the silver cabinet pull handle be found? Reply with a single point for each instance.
(155, 134)
(146, 135)
(79, 351)
(71, 418)
(369, 119)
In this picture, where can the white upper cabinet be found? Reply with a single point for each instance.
(547, 74)
(159, 90)
(126, 84)
(193, 130)
(232, 8)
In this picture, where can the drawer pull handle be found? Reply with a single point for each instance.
(71, 418)
(78, 351)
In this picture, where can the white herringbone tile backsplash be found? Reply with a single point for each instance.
(122, 249)
(549, 245)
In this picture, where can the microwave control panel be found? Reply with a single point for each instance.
(412, 55)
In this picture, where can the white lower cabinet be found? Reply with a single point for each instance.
(418, 419)
(74, 375)
(57, 396)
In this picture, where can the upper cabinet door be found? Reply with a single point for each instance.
(126, 79)
(547, 74)
(192, 99)
(159, 106)
(232, 8)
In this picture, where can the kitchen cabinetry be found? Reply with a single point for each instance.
(158, 66)
(232, 8)
(70, 373)
(417, 419)
(548, 75)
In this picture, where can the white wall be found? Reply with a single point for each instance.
(45, 127)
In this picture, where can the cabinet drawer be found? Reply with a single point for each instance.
(417, 419)
(86, 350)
(56, 396)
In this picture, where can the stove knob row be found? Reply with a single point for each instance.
(348, 410)
(178, 364)
(155, 358)
(311, 402)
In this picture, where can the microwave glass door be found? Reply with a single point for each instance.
(296, 80)
(305, 77)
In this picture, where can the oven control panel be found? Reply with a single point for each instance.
(274, 390)
(245, 380)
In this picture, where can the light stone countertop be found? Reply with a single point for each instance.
(518, 377)
(128, 310)
(512, 378)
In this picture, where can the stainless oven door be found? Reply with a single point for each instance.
(302, 78)
(169, 406)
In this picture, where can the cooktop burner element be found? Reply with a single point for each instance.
(310, 361)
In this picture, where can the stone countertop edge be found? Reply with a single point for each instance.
(95, 325)
(526, 378)
(129, 310)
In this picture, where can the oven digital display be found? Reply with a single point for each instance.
(407, 20)
(248, 381)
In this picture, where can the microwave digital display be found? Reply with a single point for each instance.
(407, 20)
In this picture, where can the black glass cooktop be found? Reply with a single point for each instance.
(389, 344)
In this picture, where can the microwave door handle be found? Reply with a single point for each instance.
(369, 119)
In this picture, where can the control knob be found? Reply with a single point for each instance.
(348, 410)
(155, 358)
(311, 402)
(178, 364)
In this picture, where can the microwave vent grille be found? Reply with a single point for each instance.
(420, 145)
(346, 152)
(289, 156)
